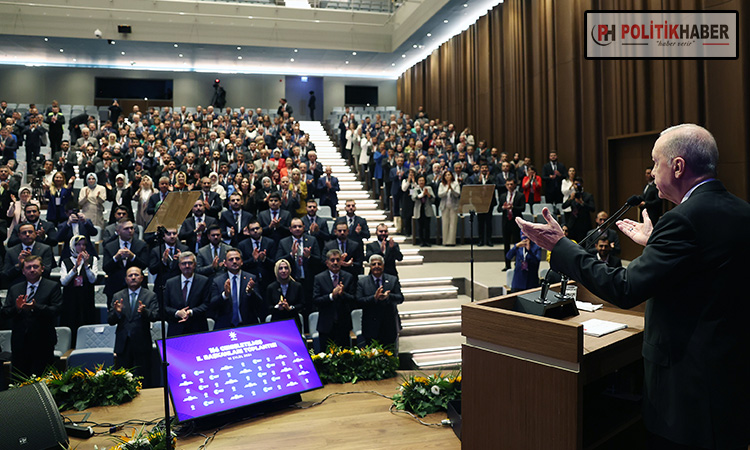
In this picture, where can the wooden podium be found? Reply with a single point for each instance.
(531, 382)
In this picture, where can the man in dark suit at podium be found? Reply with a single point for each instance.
(690, 273)
(133, 309)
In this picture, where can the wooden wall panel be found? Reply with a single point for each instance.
(544, 94)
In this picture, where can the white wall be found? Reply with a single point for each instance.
(75, 86)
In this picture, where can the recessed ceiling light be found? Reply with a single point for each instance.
(46, 39)
(180, 55)
(429, 34)
(295, 50)
(249, 17)
(122, 53)
(317, 21)
(182, 13)
(466, 5)
(445, 21)
(414, 46)
(403, 56)
(354, 53)
(393, 64)
(175, 46)
(239, 48)
(239, 57)
(61, 50)
(145, 98)
(346, 62)
(74, 60)
(291, 59)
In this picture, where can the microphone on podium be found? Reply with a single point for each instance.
(634, 200)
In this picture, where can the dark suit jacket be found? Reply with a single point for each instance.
(133, 329)
(282, 231)
(552, 186)
(13, 273)
(294, 297)
(34, 330)
(126, 198)
(50, 232)
(362, 235)
(375, 312)
(323, 234)
(205, 260)
(354, 253)
(690, 275)
(311, 265)
(261, 269)
(65, 234)
(336, 311)
(391, 255)
(253, 308)
(187, 232)
(519, 204)
(579, 221)
(653, 203)
(157, 267)
(152, 202)
(116, 270)
(202, 294)
(214, 204)
(327, 196)
(226, 220)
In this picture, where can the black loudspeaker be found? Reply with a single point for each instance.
(29, 420)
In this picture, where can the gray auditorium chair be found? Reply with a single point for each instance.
(95, 345)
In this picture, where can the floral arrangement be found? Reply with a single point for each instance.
(143, 440)
(348, 365)
(422, 395)
(81, 389)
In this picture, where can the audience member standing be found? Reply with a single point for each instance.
(379, 294)
(187, 298)
(512, 207)
(581, 206)
(333, 295)
(78, 276)
(33, 308)
(449, 193)
(526, 273)
(552, 175)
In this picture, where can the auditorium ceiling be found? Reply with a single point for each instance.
(367, 38)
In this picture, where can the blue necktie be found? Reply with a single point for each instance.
(235, 302)
(133, 303)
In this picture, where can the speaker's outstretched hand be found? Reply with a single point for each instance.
(544, 235)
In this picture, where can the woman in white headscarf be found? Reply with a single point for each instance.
(142, 195)
(77, 275)
(91, 200)
(216, 186)
(17, 205)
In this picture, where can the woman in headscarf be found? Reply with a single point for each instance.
(142, 195)
(261, 197)
(217, 187)
(285, 296)
(299, 187)
(120, 195)
(78, 275)
(91, 200)
(58, 195)
(17, 206)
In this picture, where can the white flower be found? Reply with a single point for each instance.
(129, 376)
(357, 352)
(322, 355)
(435, 390)
(99, 373)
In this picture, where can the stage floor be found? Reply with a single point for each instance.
(353, 421)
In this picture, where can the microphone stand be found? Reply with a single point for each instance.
(604, 226)
(164, 364)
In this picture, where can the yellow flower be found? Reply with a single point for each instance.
(388, 353)
(458, 378)
(422, 380)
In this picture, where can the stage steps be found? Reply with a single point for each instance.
(430, 316)
(352, 188)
